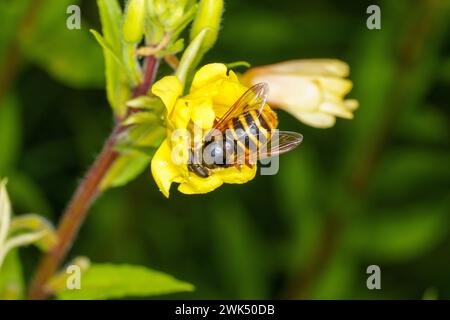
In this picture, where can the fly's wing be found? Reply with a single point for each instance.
(279, 143)
(253, 99)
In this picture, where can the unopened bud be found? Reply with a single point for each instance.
(208, 16)
(133, 23)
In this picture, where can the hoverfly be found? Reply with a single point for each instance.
(243, 135)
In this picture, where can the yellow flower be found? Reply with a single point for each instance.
(212, 92)
(311, 90)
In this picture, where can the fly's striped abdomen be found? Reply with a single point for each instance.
(250, 131)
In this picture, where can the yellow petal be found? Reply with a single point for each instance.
(168, 89)
(233, 77)
(163, 170)
(181, 114)
(197, 185)
(208, 91)
(207, 74)
(227, 94)
(180, 145)
(237, 176)
(202, 113)
(317, 119)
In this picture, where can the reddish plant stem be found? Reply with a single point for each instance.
(150, 68)
(78, 208)
(72, 219)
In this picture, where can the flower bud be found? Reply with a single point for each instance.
(167, 17)
(167, 14)
(208, 16)
(133, 23)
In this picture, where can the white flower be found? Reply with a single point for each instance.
(313, 91)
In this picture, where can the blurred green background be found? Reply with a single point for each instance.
(374, 190)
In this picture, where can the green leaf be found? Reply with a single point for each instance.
(147, 136)
(70, 56)
(111, 16)
(11, 277)
(106, 46)
(133, 69)
(143, 135)
(108, 281)
(117, 87)
(126, 168)
(141, 118)
(129, 65)
(33, 223)
(149, 151)
(146, 102)
(173, 48)
(137, 145)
